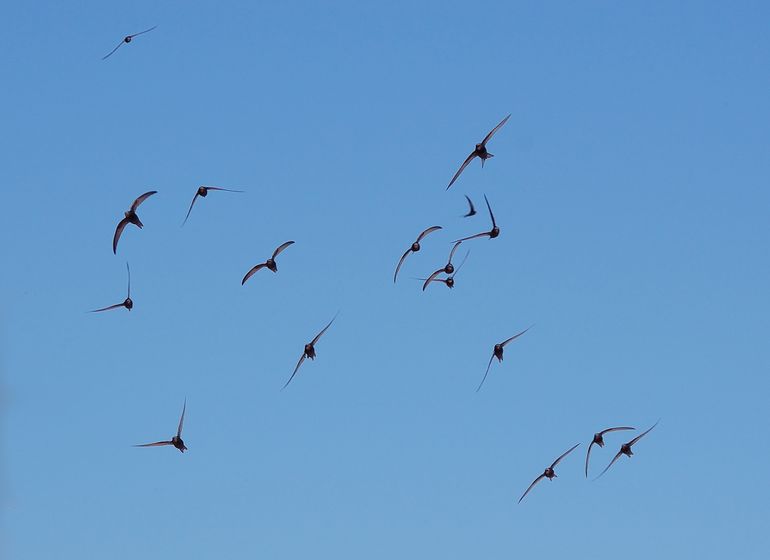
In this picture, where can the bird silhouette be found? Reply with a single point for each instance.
(471, 209)
(414, 248)
(130, 218)
(599, 440)
(497, 352)
(176, 441)
(128, 39)
(548, 472)
(492, 233)
(448, 268)
(625, 449)
(449, 280)
(309, 351)
(127, 303)
(269, 263)
(203, 192)
(479, 151)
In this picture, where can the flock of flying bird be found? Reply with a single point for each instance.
(449, 270)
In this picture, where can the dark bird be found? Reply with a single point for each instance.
(414, 248)
(176, 441)
(128, 39)
(269, 263)
(625, 449)
(203, 192)
(479, 151)
(309, 351)
(548, 472)
(449, 280)
(449, 268)
(497, 352)
(494, 232)
(599, 440)
(131, 218)
(472, 210)
(128, 303)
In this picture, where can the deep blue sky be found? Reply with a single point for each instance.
(632, 188)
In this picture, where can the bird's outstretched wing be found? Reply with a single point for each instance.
(492, 132)
(141, 199)
(640, 436)
(485, 374)
(156, 444)
(570, 450)
(191, 207)
(320, 334)
(471, 210)
(299, 363)
(108, 55)
(514, 337)
(400, 262)
(143, 32)
(107, 308)
(491, 215)
(608, 430)
(431, 229)
(118, 232)
(615, 458)
(181, 420)
(128, 270)
(280, 248)
(483, 234)
(431, 278)
(588, 454)
(462, 168)
(221, 189)
(538, 479)
(251, 272)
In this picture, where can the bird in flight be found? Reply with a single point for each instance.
(479, 151)
(625, 449)
(449, 280)
(494, 232)
(128, 39)
(497, 352)
(309, 351)
(130, 218)
(548, 472)
(599, 440)
(128, 303)
(414, 248)
(176, 441)
(472, 208)
(269, 263)
(203, 192)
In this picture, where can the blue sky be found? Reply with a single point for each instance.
(631, 187)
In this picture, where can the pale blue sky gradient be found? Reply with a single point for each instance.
(631, 185)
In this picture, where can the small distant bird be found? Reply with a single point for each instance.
(497, 352)
(269, 263)
(309, 351)
(128, 39)
(449, 280)
(472, 210)
(176, 441)
(128, 303)
(479, 151)
(625, 449)
(131, 218)
(449, 268)
(494, 232)
(203, 192)
(548, 472)
(414, 248)
(599, 440)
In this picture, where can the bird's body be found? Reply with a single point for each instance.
(497, 352)
(176, 440)
(309, 351)
(130, 217)
(127, 39)
(549, 472)
(270, 263)
(413, 249)
(625, 449)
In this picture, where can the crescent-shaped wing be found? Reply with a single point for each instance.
(588, 454)
(465, 258)
(281, 248)
(299, 363)
(608, 430)
(492, 132)
(107, 308)
(432, 277)
(462, 167)
(472, 210)
(251, 272)
(617, 456)
(491, 215)
(221, 189)
(484, 234)
(118, 232)
(181, 420)
(640, 436)
(113, 50)
(191, 207)
(157, 443)
(141, 199)
(485, 375)
(431, 229)
(142, 32)
(400, 262)
(538, 479)
(320, 334)
(454, 248)
(129, 280)
(514, 337)
(570, 450)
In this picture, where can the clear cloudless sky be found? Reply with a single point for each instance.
(632, 188)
